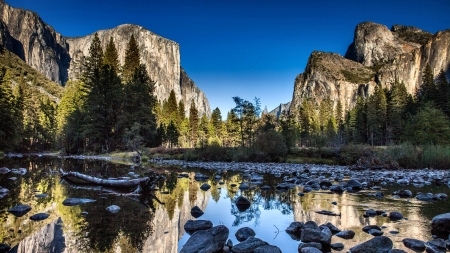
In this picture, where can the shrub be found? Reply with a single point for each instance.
(437, 157)
(270, 144)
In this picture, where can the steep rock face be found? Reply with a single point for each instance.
(377, 54)
(330, 74)
(280, 109)
(35, 42)
(190, 92)
(374, 44)
(60, 58)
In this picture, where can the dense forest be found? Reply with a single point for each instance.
(112, 108)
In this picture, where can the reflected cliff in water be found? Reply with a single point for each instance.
(155, 223)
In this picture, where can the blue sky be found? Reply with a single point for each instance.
(243, 48)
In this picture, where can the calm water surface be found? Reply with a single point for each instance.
(155, 224)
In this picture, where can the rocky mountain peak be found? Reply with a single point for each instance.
(376, 55)
(60, 58)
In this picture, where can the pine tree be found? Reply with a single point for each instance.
(111, 57)
(216, 119)
(377, 116)
(138, 105)
(427, 91)
(203, 133)
(172, 135)
(132, 59)
(193, 124)
(8, 112)
(397, 102)
(443, 96)
(93, 63)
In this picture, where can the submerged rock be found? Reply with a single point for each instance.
(3, 192)
(113, 209)
(42, 195)
(39, 216)
(20, 210)
(76, 201)
(4, 170)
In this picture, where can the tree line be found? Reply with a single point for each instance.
(112, 107)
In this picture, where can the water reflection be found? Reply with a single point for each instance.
(155, 223)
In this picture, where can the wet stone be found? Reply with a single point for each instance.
(39, 216)
(42, 195)
(303, 245)
(205, 187)
(76, 201)
(113, 209)
(267, 249)
(196, 212)
(337, 246)
(192, 226)
(243, 233)
(346, 234)
(375, 232)
(394, 216)
(414, 244)
(4, 248)
(248, 245)
(376, 244)
(242, 203)
(20, 210)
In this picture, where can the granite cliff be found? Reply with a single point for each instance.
(377, 55)
(60, 58)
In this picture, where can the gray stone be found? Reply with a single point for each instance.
(394, 216)
(3, 192)
(369, 227)
(39, 216)
(200, 241)
(192, 226)
(244, 186)
(310, 250)
(205, 187)
(355, 185)
(196, 212)
(316, 245)
(242, 203)
(414, 244)
(346, 234)
(20, 210)
(404, 193)
(76, 201)
(375, 232)
(315, 235)
(243, 233)
(377, 244)
(113, 209)
(337, 246)
(267, 249)
(371, 213)
(249, 245)
(440, 225)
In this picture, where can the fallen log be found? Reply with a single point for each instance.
(106, 182)
(329, 213)
(139, 195)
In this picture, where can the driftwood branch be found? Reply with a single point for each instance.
(106, 182)
(145, 198)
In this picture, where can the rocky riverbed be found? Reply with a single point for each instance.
(230, 207)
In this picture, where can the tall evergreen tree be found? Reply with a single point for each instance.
(132, 59)
(111, 56)
(427, 91)
(94, 61)
(377, 116)
(193, 123)
(443, 96)
(8, 113)
(397, 102)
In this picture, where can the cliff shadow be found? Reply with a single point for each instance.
(17, 48)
